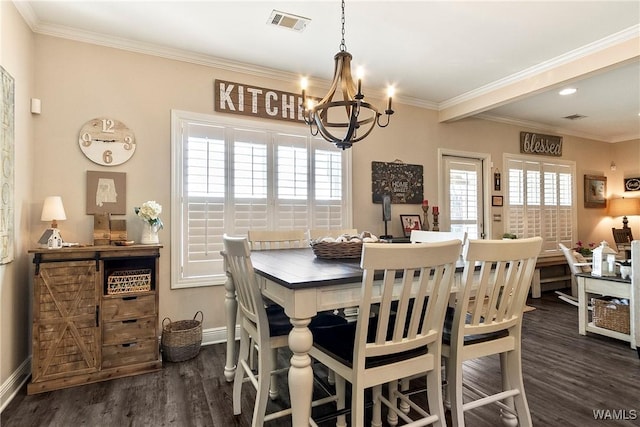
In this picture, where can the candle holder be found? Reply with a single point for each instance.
(425, 217)
(435, 220)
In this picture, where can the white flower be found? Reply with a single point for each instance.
(150, 212)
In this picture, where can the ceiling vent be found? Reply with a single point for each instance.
(288, 20)
(574, 117)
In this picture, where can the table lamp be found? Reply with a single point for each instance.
(624, 207)
(52, 210)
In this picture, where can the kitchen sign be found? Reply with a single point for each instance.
(247, 100)
(535, 143)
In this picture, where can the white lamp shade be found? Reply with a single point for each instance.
(53, 209)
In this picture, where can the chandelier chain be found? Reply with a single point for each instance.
(343, 45)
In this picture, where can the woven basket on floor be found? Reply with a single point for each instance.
(181, 340)
(337, 250)
(610, 315)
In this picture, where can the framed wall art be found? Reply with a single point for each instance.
(106, 193)
(595, 191)
(496, 201)
(410, 222)
(7, 154)
(402, 182)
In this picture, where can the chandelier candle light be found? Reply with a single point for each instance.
(358, 118)
(149, 212)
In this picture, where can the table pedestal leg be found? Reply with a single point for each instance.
(300, 372)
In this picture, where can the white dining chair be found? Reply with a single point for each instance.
(500, 274)
(264, 329)
(277, 239)
(409, 286)
(319, 233)
(425, 236)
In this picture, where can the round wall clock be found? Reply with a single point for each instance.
(106, 141)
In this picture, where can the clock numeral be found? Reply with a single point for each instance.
(108, 126)
(128, 143)
(107, 156)
(86, 139)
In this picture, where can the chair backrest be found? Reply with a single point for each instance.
(277, 239)
(499, 287)
(421, 236)
(237, 257)
(407, 274)
(571, 261)
(321, 232)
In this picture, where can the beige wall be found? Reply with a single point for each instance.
(16, 57)
(77, 82)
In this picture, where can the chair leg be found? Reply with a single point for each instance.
(404, 386)
(454, 377)
(392, 417)
(434, 396)
(273, 388)
(265, 366)
(243, 355)
(357, 405)
(376, 417)
(514, 373)
(341, 402)
(507, 418)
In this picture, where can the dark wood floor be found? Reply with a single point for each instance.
(567, 377)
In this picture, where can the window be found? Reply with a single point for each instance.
(463, 195)
(540, 200)
(230, 176)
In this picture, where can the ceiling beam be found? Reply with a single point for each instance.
(577, 69)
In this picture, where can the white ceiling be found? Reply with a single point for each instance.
(504, 60)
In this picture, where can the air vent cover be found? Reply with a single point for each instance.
(288, 20)
(574, 117)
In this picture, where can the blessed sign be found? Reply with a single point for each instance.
(533, 143)
(254, 101)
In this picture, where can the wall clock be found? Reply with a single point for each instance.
(106, 141)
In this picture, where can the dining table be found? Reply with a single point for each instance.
(303, 285)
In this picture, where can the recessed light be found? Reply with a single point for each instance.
(568, 91)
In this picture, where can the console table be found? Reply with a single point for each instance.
(613, 286)
(95, 315)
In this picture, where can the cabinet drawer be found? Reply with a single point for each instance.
(129, 330)
(129, 353)
(128, 307)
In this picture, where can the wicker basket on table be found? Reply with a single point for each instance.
(181, 340)
(611, 315)
(337, 250)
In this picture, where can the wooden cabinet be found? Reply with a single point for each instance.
(95, 315)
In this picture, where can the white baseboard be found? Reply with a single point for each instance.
(217, 335)
(14, 383)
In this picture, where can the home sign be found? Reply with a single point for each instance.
(546, 145)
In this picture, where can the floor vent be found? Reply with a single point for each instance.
(574, 117)
(288, 20)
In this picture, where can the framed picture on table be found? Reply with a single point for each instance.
(595, 191)
(410, 222)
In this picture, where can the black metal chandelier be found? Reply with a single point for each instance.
(348, 119)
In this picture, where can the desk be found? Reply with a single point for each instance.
(303, 285)
(613, 286)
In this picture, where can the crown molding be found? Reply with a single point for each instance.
(584, 51)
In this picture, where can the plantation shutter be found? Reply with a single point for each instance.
(230, 178)
(540, 201)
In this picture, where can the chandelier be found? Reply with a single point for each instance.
(348, 119)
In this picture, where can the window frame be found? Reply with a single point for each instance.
(549, 248)
(179, 119)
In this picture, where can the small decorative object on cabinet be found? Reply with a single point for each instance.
(95, 315)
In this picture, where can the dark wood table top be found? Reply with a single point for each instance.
(300, 268)
(616, 278)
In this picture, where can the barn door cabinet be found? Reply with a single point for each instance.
(95, 315)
